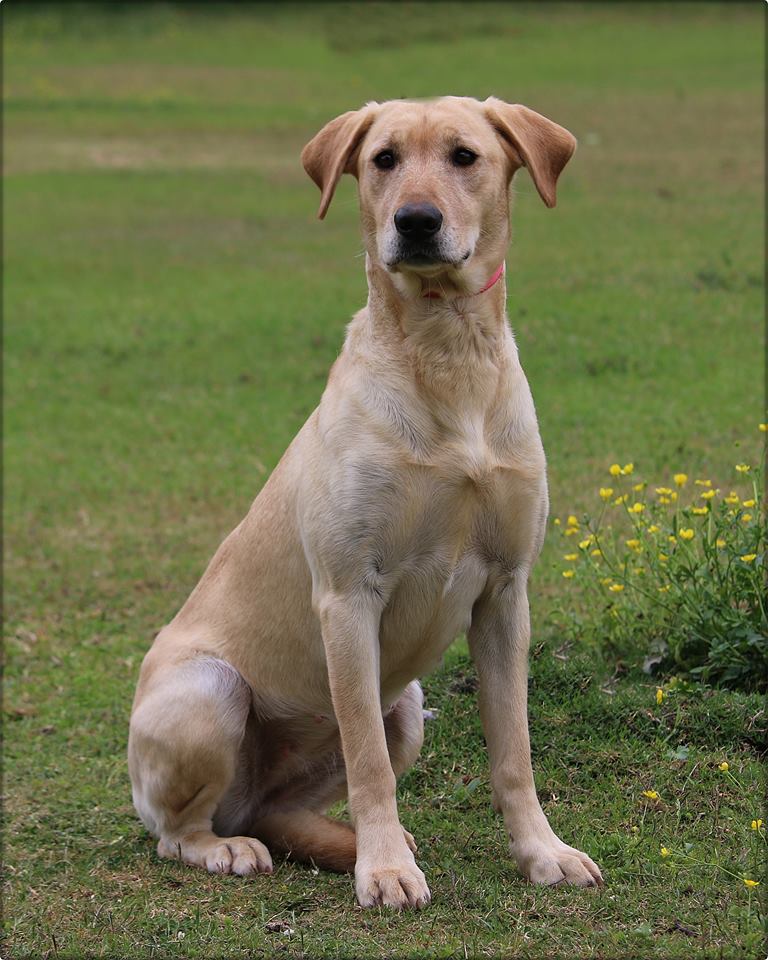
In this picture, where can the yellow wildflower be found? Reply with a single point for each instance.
(636, 508)
(567, 574)
(673, 496)
(616, 587)
(746, 517)
(651, 794)
(571, 531)
(572, 521)
(619, 500)
(700, 511)
(732, 497)
(614, 470)
(606, 493)
(570, 557)
(719, 543)
(724, 767)
(639, 486)
(686, 533)
(680, 479)
(664, 852)
(653, 528)
(664, 589)
(664, 500)
(748, 503)
(597, 552)
(757, 824)
(672, 538)
(663, 491)
(762, 427)
(707, 494)
(633, 545)
(703, 483)
(742, 468)
(627, 469)
(556, 521)
(606, 581)
(659, 695)
(748, 557)
(751, 883)
(583, 544)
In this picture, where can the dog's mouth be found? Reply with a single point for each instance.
(418, 258)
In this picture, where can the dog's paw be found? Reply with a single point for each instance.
(553, 862)
(244, 856)
(400, 887)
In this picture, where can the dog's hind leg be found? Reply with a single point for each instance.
(186, 730)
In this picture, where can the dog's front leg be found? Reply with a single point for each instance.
(499, 640)
(385, 872)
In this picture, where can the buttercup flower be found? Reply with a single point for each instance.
(756, 824)
(663, 491)
(556, 521)
(664, 589)
(606, 493)
(762, 427)
(700, 511)
(653, 528)
(627, 469)
(724, 767)
(659, 695)
(703, 483)
(572, 521)
(597, 552)
(742, 467)
(570, 557)
(664, 500)
(746, 517)
(680, 479)
(639, 486)
(751, 883)
(636, 508)
(651, 794)
(719, 543)
(633, 545)
(614, 470)
(606, 581)
(707, 494)
(583, 544)
(616, 587)
(686, 533)
(748, 557)
(664, 852)
(732, 497)
(748, 503)
(567, 574)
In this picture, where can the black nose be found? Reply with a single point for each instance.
(418, 221)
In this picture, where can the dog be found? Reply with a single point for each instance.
(408, 510)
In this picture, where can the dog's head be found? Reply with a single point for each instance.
(434, 177)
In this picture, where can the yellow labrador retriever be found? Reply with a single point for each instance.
(409, 509)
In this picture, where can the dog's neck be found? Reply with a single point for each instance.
(456, 342)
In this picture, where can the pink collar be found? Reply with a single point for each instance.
(498, 273)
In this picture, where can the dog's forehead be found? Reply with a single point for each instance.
(430, 120)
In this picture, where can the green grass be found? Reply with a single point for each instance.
(171, 310)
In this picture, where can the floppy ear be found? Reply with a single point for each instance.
(331, 152)
(532, 141)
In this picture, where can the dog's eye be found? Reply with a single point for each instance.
(462, 157)
(384, 160)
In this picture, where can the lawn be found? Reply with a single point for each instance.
(171, 310)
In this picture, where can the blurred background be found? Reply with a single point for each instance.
(172, 305)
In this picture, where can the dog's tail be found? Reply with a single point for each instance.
(309, 837)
